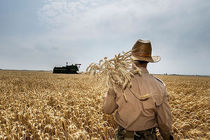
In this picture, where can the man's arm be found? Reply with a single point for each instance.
(109, 105)
(164, 119)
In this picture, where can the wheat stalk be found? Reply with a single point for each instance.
(117, 71)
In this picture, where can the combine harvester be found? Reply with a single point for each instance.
(68, 69)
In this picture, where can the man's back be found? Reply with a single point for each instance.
(143, 106)
(136, 111)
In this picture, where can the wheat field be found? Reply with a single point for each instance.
(42, 105)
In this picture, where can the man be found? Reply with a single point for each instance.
(146, 107)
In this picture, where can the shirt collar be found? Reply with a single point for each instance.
(143, 70)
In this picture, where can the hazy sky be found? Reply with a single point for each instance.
(41, 34)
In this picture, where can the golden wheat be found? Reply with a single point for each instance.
(117, 71)
(42, 105)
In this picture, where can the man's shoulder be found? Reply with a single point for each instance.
(159, 80)
(140, 78)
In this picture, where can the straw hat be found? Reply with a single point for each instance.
(142, 51)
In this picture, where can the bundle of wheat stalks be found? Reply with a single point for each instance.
(117, 71)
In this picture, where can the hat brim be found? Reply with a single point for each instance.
(152, 59)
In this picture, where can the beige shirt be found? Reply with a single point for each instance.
(146, 105)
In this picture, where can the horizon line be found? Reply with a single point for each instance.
(170, 74)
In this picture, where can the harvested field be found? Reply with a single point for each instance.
(42, 105)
